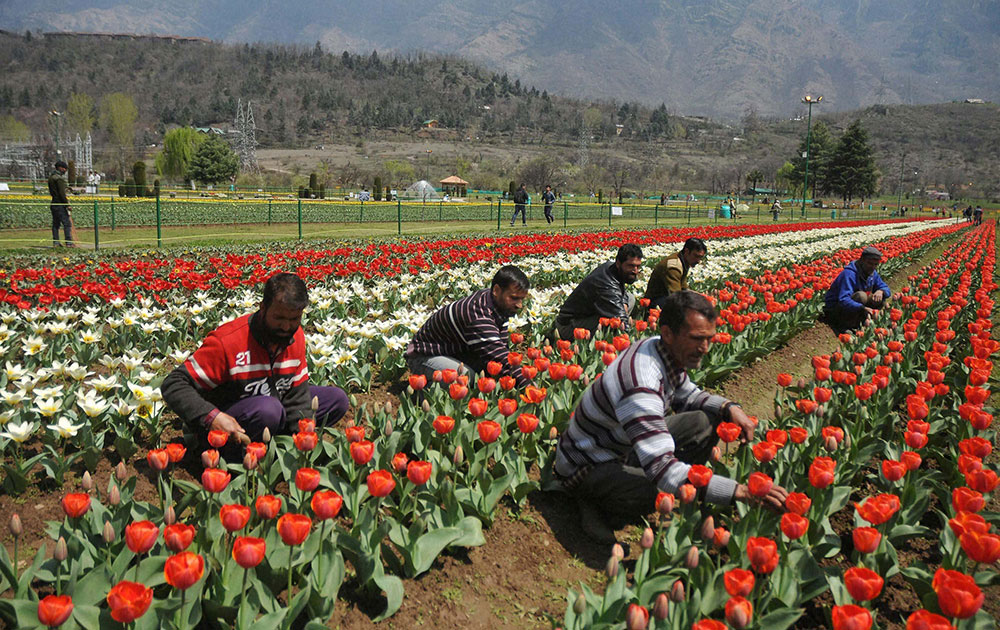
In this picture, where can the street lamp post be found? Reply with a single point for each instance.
(808, 99)
(899, 195)
(58, 116)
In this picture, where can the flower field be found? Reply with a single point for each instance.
(889, 442)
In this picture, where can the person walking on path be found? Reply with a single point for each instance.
(775, 210)
(856, 293)
(548, 198)
(520, 199)
(639, 428)
(250, 374)
(470, 333)
(977, 215)
(60, 208)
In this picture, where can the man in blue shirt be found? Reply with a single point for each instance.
(856, 293)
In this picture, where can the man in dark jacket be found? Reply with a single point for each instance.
(549, 198)
(520, 199)
(58, 188)
(602, 294)
(856, 293)
(250, 374)
(670, 274)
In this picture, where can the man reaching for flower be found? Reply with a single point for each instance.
(250, 374)
(640, 427)
(856, 293)
(472, 332)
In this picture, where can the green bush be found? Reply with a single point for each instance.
(321, 193)
(139, 175)
(130, 188)
(313, 182)
(156, 188)
(377, 190)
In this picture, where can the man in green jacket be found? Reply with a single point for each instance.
(58, 188)
(670, 274)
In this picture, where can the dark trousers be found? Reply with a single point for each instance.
(60, 216)
(259, 412)
(519, 207)
(548, 214)
(621, 489)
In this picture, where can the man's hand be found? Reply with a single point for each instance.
(878, 296)
(227, 423)
(774, 500)
(739, 417)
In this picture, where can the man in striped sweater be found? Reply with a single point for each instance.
(643, 423)
(468, 334)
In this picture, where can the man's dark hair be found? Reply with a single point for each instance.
(508, 276)
(61, 164)
(628, 250)
(673, 315)
(694, 244)
(287, 288)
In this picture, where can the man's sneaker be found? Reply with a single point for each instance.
(593, 524)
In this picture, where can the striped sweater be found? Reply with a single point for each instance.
(469, 330)
(624, 410)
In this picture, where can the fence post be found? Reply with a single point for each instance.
(361, 216)
(440, 205)
(112, 212)
(656, 215)
(399, 217)
(269, 211)
(97, 238)
(499, 206)
(159, 226)
(300, 218)
(565, 213)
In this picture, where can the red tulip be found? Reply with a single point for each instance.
(507, 406)
(784, 379)
(268, 506)
(141, 536)
(664, 503)
(863, 584)
(958, 594)
(738, 582)
(798, 435)
(419, 472)
(926, 620)
(822, 394)
(982, 480)
(851, 617)
(777, 436)
(418, 381)
(982, 548)
(178, 536)
(686, 493)
(762, 553)
(210, 458)
(574, 372)
(294, 528)
(968, 521)
(158, 459)
(759, 484)
(893, 470)
(307, 479)
(380, 483)
(728, 431)
(794, 526)
(354, 433)
(399, 461)
(708, 624)
(362, 452)
(257, 449)
(915, 440)
(215, 480)
(866, 539)
(248, 552)
(184, 569)
(234, 517)
(54, 610)
(218, 438)
(911, 460)
(478, 407)
(307, 425)
(326, 504)
(129, 601)
(533, 395)
(965, 499)
(176, 452)
(457, 391)
(636, 617)
(486, 384)
(76, 504)
(798, 502)
(821, 472)
(527, 422)
(488, 430)
(806, 405)
(765, 451)
(449, 376)
(699, 475)
(720, 536)
(976, 446)
(443, 424)
(739, 612)
(878, 509)
(305, 441)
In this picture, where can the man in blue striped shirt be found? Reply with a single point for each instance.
(642, 424)
(467, 334)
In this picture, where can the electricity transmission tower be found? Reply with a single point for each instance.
(246, 138)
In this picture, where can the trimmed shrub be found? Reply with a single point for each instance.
(377, 189)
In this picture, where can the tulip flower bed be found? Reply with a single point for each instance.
(271, 534)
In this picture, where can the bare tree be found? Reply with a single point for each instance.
(539, 172)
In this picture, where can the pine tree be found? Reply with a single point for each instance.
(213, 162)
(852, 171)
(821, 147)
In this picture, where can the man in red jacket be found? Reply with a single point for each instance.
(250, 374)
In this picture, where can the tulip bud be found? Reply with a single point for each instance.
(716, 454)
(661, 607)
(722, 537)
(611, 568)
(459, 455)
(388, 426)
(409, 390)
(115, 496)
(314, 404)
(169, 517)
(647, 538)
(708, 528)
(580, 605)
(802, 382)
(60, 552)
(266, 437)
(677, 592)
(617, 551)
(249, 461)
(820, 411)
(738, 618)
(830, 443)
(553, 433)
(666, 505)
(16, 529)
(109, 533)
(86, 482)
(121, 473)
(636, 618)
(778, 412)
(426, 406)
(691, 559)
(586, 380)
(388, 408)
(208, 460)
